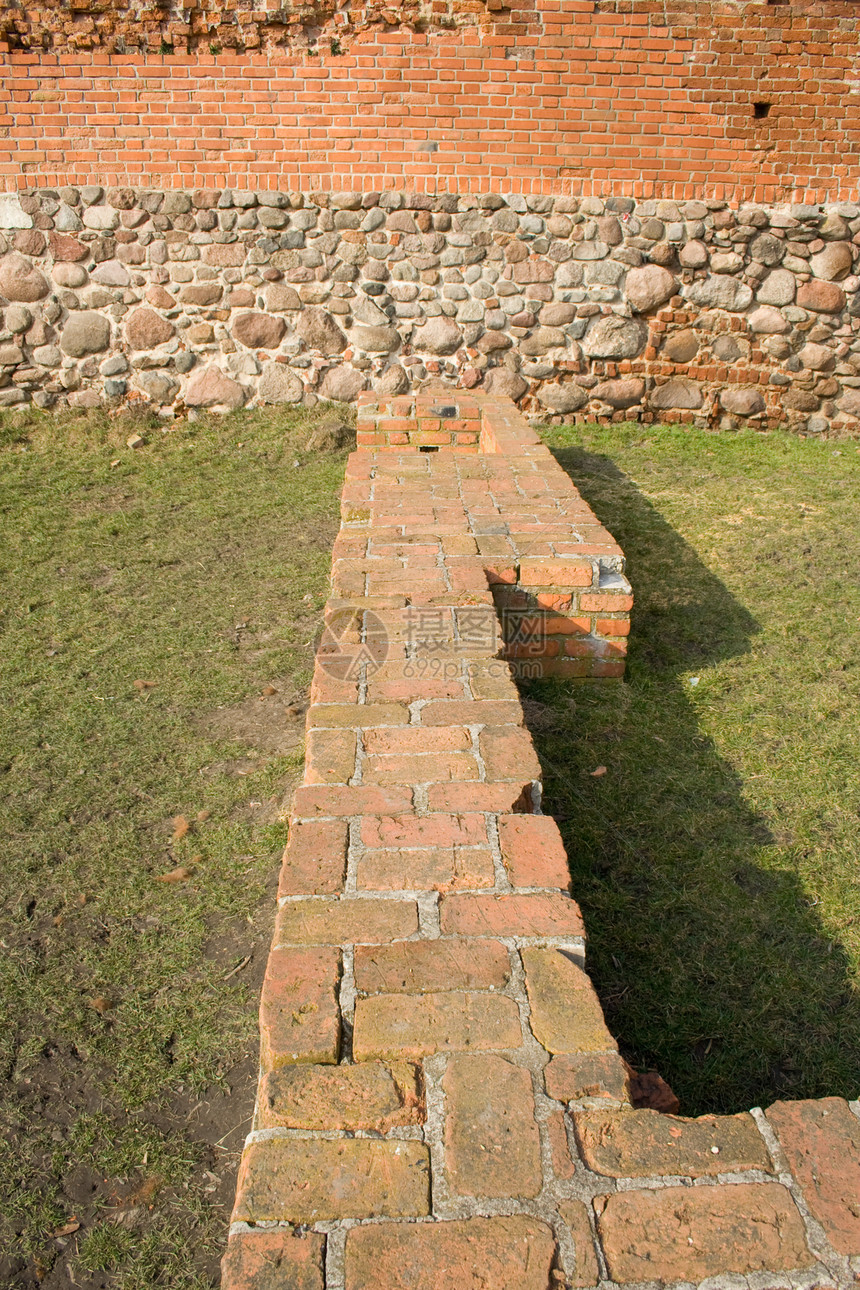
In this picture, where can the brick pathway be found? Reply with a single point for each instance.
(441, 1104)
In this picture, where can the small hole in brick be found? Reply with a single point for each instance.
(760, 110)
(446, 412)
(429, 447)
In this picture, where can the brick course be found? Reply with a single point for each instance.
(441, 1102)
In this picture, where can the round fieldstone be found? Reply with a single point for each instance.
(20, 280)
(834, 262)
(693, 255)
(767, 249)
(563, 398)
(816, 357)
(677, 394)
(393, 381)
(282, 299)
(110, 273)
(821, 297)
(620, 394)
(18, 319)
(778, 288)
(85, 333)
(648, 287)
(159, 386)
(209, 387)
(768, 321)
(681, 347)
(279, 384)
(508, 384)
(439, 335)
(319, 331)
(144, 329)
(611, 336)
(342, 383)
(376, 340)
(719, 292)
(743, 403)
(259, 331)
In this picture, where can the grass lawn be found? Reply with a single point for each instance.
(717, 860)
(157, 609)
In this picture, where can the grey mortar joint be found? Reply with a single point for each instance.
(503, 882)
(415, 708)
(335, 1254)
(429, 926)
(346, 1003)
(354, 851)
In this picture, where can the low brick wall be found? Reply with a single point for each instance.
(441, 1102)
(577, 308)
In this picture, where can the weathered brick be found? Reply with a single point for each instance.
(533, 851)
(345, 922)
(410, 741)
(315, 858)
(571, 1077)
(299, 1013)
(555, 573)
(566, 1016)
(274, 1260)
(689, 1233)
(821, 1142)
(496, 798)
(316, 801)
(325, 715)
(411, 1026)
(309, 1180)
(428, 768)
(562, 1161)
(471, 1254)
(367, 1095)
(491, 1138)
(415, 967)
(586, 1271)
(430, 869)
(330, 756)
(642, 1143)
(509, 753)
(526, 915)
(467, 830)
(472, 712)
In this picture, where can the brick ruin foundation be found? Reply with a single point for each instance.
(440, 1101)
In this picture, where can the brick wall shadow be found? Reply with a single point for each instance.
(711, 964)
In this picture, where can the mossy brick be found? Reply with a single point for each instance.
(573, 1077)
(413, 1026)
(345, 922)
(644, 1143)
(514, 1253)
(299, 1012)
(492, 1144)
(532, 914)
(441, 829)
(566, 1016)
(418, 967)
(365, 1095)
(311, 1180)
(274, 1260)
(586, 1271)
(314, 861)
(330, 756)
(821, 1142)
(321, 801)
(690, 1233)
(428, 869)
(533, 852)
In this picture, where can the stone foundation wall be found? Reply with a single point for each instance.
(441, 1103)
(584, 308)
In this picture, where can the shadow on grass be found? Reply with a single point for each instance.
(711, 964)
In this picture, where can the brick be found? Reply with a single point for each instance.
(472, 1254)
(643, 1143)
(492, 1143)
(299, 1012)
(586, 1270)
(430, 869)
(689, 1233)
(315, 858)
(412, 1026)
(556, 573)
(566, 1016)
(317, 801)
(415, 967)
(415, 740)
(367, 1095)
(345, 922)
(536, 914)
(533, 852)
(821, 1142)
(327, 715)
(572, 1077)
(274, 1260)
(510, 795)
(330, 756)
(430, 768)
(472, 712)
(562, 1162)
(441, 830)
(310, 1180)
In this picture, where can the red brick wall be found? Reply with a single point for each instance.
(640, 99)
